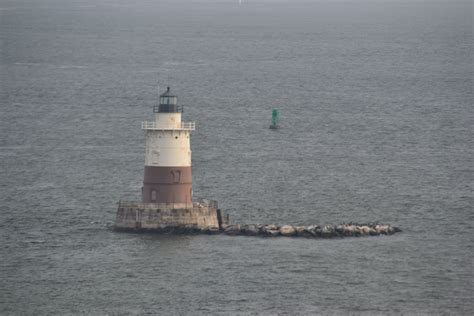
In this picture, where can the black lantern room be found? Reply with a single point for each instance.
(168, 103)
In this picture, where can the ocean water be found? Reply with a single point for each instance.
(376, 103)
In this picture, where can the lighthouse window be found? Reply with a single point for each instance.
(153, 195)
(168, 100)
(176, 176)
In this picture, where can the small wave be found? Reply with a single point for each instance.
(130, 275)
(148, 71)
(186, 64)
(38, 241)
(12, 150)
(28, 64)
(72, 67)
(51, 65)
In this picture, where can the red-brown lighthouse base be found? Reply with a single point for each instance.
(168, 185)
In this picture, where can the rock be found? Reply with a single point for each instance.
(348, 230)
(287, 230)
(243, 229)
(271, 233)
(249, 230)
(356, 231)
(327, 231)
(311, 227)
(317, 231)
(299, 229)
(271, 227)
(373, 232)
(364, 230)
(382, 229)
(314, 230)
(340, 229)
(224, 226)
(232, 230)
(260, 228)
(302, 232)
(270, 230)
(396, 229)
(213, 230)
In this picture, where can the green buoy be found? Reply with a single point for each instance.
(275, 119)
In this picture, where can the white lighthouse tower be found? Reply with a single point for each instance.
(168, 175)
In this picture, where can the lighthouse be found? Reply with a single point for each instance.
(167, 193)
(168, 176)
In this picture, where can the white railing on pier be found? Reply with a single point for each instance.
(188, 125)
(191, 126)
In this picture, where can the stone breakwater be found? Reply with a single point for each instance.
(312, 231)
(272, 230)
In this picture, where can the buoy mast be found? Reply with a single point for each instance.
(275, 119)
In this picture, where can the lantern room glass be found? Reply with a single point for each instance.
(168, 100)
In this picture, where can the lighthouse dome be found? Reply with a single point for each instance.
(169, 102)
